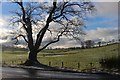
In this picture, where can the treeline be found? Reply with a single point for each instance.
(91, 44)
(11, 48)
(84, 45)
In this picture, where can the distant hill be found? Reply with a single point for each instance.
(12, 48)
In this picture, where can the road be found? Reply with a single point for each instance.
(8, 72)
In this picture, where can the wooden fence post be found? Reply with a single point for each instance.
(78, 65)
(91, 65)
(49, 63)
(21, 62)
(12, 62)
(62, 64)
(4, 62)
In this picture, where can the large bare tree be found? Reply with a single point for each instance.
(39, 21)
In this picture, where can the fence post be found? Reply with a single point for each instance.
(62, 64)
(49, 63)
(21, 62)
(91, 65)
(12, 62)
(4, 62)
(78, 65)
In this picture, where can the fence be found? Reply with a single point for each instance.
(74, 65)
(67, 65)
(63, 65)
(12, 62)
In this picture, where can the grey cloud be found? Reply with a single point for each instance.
(107, 8)
(103, 33)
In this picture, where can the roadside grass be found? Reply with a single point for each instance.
(86, 58)
(13, 57)
(111, 62)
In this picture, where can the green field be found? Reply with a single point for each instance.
(69, 57)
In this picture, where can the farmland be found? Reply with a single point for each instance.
(70, 57)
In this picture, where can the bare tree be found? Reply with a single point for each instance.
(89, 43)
(82, 44)
(36, 19)
(99, 43)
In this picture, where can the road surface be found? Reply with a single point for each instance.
(8, 72)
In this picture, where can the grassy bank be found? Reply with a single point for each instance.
(85, 58)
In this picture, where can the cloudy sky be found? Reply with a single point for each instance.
(102, 25)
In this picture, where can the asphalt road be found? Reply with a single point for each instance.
(8, 72)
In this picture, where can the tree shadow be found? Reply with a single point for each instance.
(32, 73)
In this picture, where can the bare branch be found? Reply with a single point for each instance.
(61, 12)
(41, 33)
(68, 15)
(54, 41)
(23, 14)
(50, 31)
(20, 35)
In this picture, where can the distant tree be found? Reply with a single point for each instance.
(113, 40)
(99, 43)
(89, 43)
(119, 40)
(107, 42)
(82, 44)
(36, 18)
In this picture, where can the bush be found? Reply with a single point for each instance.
(113, 62)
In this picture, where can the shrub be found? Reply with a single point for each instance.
(113, 62)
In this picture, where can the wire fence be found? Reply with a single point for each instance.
(66, 65)
(73, 65)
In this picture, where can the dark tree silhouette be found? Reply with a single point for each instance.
(89, 43)
(82, 44)
(99, 43)
(36, 20)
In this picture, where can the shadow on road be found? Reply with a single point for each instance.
(34, 74)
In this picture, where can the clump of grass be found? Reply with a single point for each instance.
(113, 62)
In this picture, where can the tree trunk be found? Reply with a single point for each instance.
(32, 56)
(32, 59)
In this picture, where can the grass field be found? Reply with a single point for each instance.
(69, 57)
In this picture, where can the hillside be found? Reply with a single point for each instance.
(69, 57)
(11, 48)
(84, 56)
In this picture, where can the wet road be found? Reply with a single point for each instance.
(32, 73)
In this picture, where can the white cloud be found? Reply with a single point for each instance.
(77, 0)
(107, 8)
(4, 26)
(66, 43)
(104, 9)
(3, 30)
(105, 0)
(105, 34)
(102, 33)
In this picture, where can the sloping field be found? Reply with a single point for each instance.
(78, 58)
(85, 57)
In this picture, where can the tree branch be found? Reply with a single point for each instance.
(23, 11)
(54, 41)
(50, 31)
(40, 35)
(64, 13)
(61, 12)
(20, 35)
